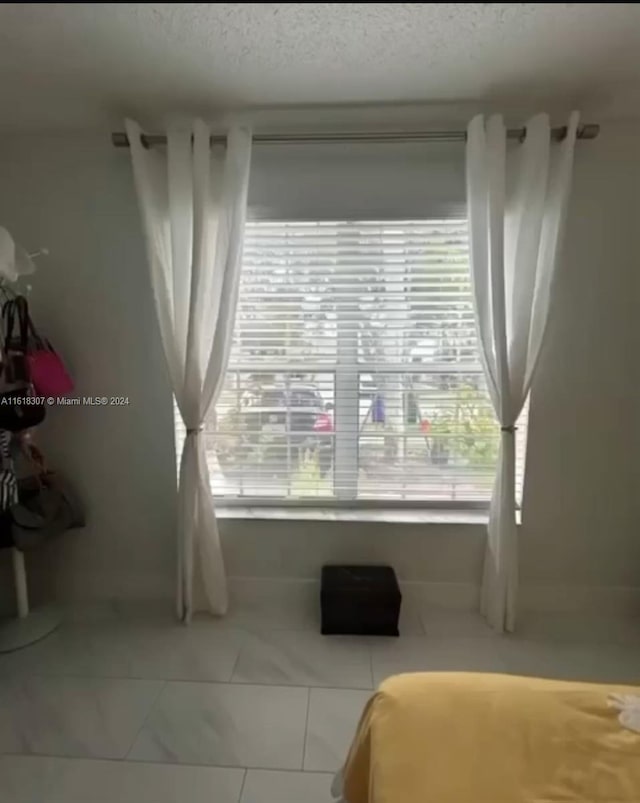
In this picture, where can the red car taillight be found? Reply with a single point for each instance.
(323, 423)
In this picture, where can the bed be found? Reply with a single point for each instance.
(481, 738)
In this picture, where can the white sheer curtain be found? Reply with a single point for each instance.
(516, 209)
(193, 201)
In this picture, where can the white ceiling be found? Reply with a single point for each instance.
(66, 65)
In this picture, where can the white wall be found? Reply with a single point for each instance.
(91, 296)
(75, 195)
(580, 522)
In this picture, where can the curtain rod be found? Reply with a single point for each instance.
(585, 131)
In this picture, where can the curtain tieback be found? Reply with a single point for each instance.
(511, 429)
(195, 430)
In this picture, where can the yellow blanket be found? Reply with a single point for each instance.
(470, 738)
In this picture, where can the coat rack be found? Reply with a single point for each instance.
(27, 626)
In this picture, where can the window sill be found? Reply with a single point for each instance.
(386, 515)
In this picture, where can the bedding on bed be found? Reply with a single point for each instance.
(479, 738)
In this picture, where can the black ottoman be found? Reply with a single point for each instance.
(360, 601)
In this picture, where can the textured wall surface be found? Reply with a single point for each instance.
(83, 64)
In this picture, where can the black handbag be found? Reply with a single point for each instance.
(20, 408)
(15, 321)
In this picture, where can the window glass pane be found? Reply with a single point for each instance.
(272, 435)
(426, 435)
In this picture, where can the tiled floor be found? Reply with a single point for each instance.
(127, 706)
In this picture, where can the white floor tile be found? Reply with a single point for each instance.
(305, 659)
(274, 608)
(272, 618)
(454, 624)
(614, 664)
(36, 779)
(75, 649)
(537, 659)
(167, 651)
(270, 786)
(202, 651)
(579, 627)
(88, 691)
(410, 623)
(416, 654)
(598, 663)
(64, 716)
(89, 612)
(226, 725)
(162, 611)
(333, 717)
(68, 646)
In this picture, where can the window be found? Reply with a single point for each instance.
(354, 373)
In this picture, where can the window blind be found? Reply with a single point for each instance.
(354, 373)
(357, 181)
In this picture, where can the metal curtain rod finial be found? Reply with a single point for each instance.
(585, 131)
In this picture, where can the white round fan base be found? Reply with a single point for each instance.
(21, 632)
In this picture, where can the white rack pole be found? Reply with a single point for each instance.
(20, 579)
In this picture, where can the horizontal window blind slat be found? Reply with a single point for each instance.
(355, 371)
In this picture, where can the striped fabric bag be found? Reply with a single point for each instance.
(8, 481)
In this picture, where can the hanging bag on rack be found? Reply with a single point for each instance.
(20, 408)
(46, 504)
(47, 371)
(44, 367)
(15, 367)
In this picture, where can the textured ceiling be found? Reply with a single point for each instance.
(85, 64)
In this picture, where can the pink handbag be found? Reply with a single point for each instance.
(29, 354)
(47, 371)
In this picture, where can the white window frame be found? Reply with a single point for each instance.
(347, 370)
